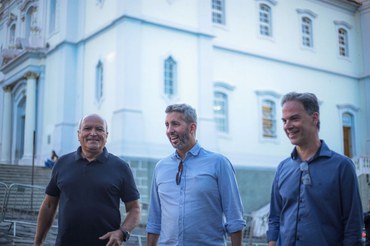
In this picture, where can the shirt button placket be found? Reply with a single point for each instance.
(181, 213)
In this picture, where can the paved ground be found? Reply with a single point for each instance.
(24, 236)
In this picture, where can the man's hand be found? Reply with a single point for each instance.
(272, 243)
(115, 238)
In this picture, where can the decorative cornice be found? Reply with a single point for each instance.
(12, 17)
(348, 107)
(342, 23)
(31, 75)
(365, 6)
(224, 85)
(306, 12)
(7, 88)
(347, 5)
(271, 2)
(27, 3)
(268, 93)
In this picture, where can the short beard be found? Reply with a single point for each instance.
(184, 139)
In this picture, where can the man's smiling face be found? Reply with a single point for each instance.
(93, 134)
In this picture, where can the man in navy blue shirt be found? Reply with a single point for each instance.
(88, 185)
(315, 198)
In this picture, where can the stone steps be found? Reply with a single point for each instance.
(21, 195)
(10, 174)
(18, 174)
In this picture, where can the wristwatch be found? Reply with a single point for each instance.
(125, 234)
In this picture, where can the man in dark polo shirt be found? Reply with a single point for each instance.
(87, 185)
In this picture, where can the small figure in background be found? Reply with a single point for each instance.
(53, 158)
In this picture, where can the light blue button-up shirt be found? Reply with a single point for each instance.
(202, 208)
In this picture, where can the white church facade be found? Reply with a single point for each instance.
(232, 60)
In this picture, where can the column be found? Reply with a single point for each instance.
(6, 137)
(30, 121)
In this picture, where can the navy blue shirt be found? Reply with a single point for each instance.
(89, 196)
(325, 211)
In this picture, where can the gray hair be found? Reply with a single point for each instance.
(308, 100)
(190, 115)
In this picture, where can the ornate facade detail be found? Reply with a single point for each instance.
(12, 18)
(7, 88)
(31, 75)
(26, 4)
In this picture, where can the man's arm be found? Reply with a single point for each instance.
(152, 239)
(132, 216)
(236, 238)
(275, 211)
(351, 206)
(132, 219)
(45, 218)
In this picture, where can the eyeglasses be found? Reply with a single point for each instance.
(306, 178)
(179, 173)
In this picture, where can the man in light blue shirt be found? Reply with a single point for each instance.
(195, 198)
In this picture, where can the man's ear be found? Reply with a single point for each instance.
(193, 128)
(316, 118)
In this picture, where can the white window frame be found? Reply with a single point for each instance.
(345, 45)
(269, 117)
(225, 89)
(303, 14)
(343, 42)
(352, 110)
(271, 96)
(270, 25)
(265, 22)
(218, 14)
(170, 77)
(99, 81)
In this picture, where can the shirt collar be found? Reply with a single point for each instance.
(194, 151)
(101, 158)
(323, 151)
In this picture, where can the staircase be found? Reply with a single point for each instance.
(10, 174)
(20, 174)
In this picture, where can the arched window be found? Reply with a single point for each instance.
(170, 77)
(348, 115)
(218, 12)
(99, 81)
(28, 21)
(343, 42)
(347, 121)
(221, 114)
(12, 30)
(267, 115)
(268, 119)
(265, 20)
(307, 32)
(306, 17)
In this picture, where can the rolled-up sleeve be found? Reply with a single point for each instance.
(230, 197)
(154, 217)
